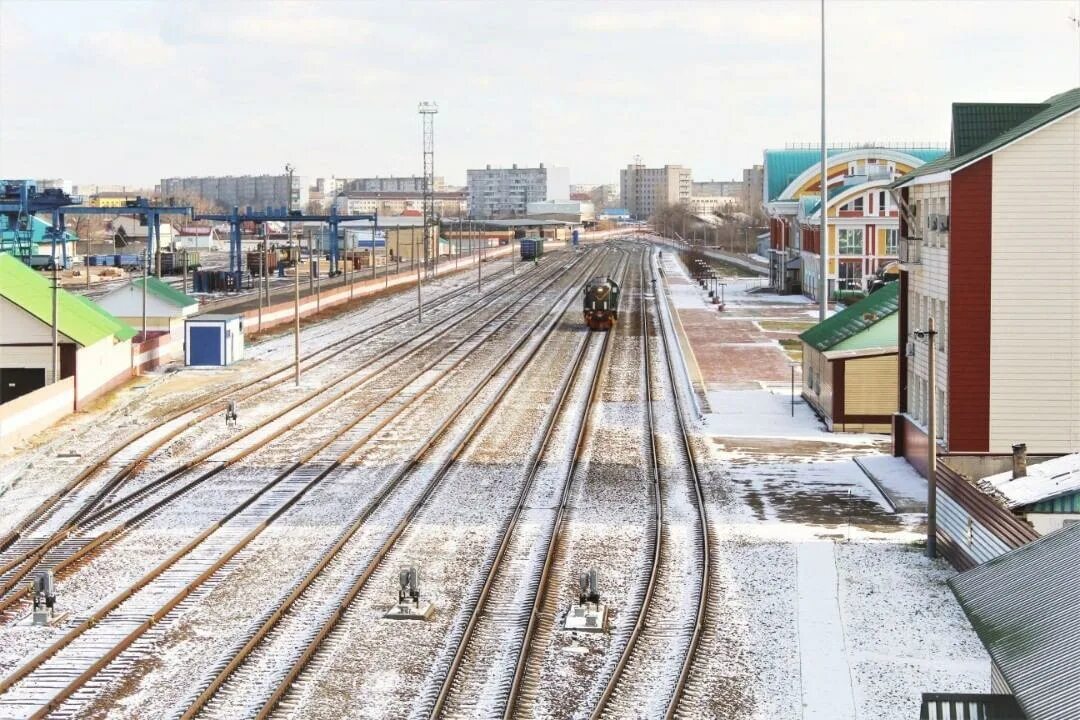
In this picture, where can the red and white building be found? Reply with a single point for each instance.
(990, 248)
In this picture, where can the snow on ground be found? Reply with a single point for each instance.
(827, 605)
(904, 487)
(767, 413)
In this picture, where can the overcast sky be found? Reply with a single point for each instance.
(129, 92)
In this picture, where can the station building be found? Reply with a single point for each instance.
(864, 219)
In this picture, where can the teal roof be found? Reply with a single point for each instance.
(979, 119)
(165, 291)
(80, 319)
(783, 166)
(854, 319)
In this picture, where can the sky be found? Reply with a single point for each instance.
(130, 92)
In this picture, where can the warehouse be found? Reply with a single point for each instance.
(849, 364)
(93, 346)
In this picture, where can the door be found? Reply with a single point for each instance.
(205, 345)
(15, 382)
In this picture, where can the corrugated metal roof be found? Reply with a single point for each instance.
(1023, 605)
(80, 319)
(854, 319)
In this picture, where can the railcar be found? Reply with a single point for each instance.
(601, 303)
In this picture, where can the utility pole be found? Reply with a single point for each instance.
(296, 281)
(930, 334)
(55, 313)
(419, 284)
(823, 310)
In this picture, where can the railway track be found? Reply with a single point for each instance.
(61, 670)
(500, 617)
(651, 672)
(137, 447)
(278, 651)
(56, 551)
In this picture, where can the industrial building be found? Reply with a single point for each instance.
(258, 191)
(506, 192)
(398, 202)
(644, 190)
(571, 211)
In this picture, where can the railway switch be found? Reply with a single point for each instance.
(588, 614)
(230, 414)
(409, 606)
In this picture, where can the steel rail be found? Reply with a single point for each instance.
(273, 619)
(217, 400)
(32, 556)
(511, 707)
(361, 580)
(703, 519)
(658, 511)
(512, 521)
(101, 613)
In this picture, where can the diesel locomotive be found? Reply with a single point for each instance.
(601, 305)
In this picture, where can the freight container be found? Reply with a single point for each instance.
(267, 266)
(531, 248)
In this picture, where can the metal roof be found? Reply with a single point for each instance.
(1023, 606)
(854, 319)
(980, 119)
(783, 166)
(82, 320)
(164, 291)
(1047, 480)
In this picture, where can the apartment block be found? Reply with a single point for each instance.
(644, 190)
(506, 192)
(411, 183)
(258, 191)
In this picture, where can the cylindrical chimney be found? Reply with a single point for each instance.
(1019, 460)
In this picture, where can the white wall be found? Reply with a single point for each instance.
(1049, 522)
(33, 336)
(558, 183)
(1035, 292)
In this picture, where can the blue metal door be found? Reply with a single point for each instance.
(205, 345)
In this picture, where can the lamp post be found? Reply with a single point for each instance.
(294, 251)
(930, 335)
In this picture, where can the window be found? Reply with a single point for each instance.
(857, 204)
(850, 275)
(850, 241)
(891, 242)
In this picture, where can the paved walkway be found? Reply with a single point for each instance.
(824, 671)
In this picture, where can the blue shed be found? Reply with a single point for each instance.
(214, 340)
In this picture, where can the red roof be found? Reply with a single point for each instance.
(411, 213)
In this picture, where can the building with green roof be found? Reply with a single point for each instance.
(166, 306)
(850, 364)
(990, 249)
(26, 355)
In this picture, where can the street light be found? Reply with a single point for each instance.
(930, 335)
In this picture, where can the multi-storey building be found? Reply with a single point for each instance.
(258, 191)
(990, 249)
(856, 179)
(412, 183)
(111, 198)
(645, 190)
(752, 187)
(447, 203)
(506, 192)
(717, 188)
